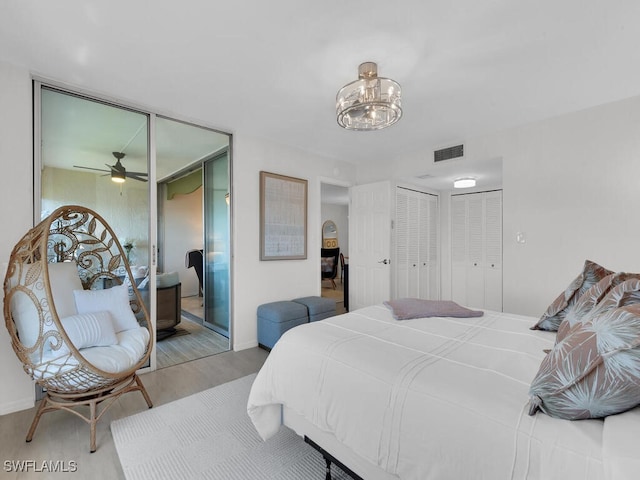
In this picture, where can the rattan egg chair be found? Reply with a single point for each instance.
(35, 296)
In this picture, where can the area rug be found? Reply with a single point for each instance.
(209, 435)
(171, 333)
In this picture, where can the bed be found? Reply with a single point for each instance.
(432, 398)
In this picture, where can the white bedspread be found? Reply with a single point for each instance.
(436, 398)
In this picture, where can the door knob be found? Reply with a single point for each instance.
(385, 261)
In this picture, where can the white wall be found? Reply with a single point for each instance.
(183, 231)
(571, 184)
(340, 216)
(123, 206)
(256, 282)
(16, 214)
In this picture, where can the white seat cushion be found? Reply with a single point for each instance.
(113, 358)
(118, 358)
(114, 300)
(168, 279)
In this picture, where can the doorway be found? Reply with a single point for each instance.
(335, 234)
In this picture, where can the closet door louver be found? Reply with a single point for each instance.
(416, 260)
(476, 250)
(401, 233)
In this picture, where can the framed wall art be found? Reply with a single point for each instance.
(283, 217)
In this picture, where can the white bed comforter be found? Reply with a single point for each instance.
(432, 398)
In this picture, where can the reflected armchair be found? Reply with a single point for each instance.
(329, 264)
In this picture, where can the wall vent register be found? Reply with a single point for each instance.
(448, 153)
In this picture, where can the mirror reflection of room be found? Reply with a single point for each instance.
(335, 244)
(106, 169)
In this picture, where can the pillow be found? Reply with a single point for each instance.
(64, 279)
(327, 264)
(408, 308)
(26, 316)
(114, 300)
(591, 274)
(582, 309)
(168, 279)
(594, 371)
(89, 330)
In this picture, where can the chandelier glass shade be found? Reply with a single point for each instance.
(369, 103)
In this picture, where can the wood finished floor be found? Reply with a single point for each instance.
(198, 343)
(63, 437)
(337, 294)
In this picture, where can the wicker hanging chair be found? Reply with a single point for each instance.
(72, 376)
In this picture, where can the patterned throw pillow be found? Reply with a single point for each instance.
(594, 371)
(585, 307)
(591, 274)
(326, 264)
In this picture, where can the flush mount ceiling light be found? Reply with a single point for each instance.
(369, 103)
(464, 182)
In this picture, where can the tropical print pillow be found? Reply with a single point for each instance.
(594, 371)
(326, 264)
(585, 307)
(591, 274)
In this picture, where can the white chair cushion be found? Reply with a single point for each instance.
(89, 330)
(113, 358)
(168, 279)
(114, 300)
(118, 358)
(64, 279)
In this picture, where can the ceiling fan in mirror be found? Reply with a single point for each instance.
(117, 171)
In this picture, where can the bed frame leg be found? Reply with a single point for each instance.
(329, 459)
(327, 469)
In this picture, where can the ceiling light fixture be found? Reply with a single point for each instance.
(369, 103)
(464, 182)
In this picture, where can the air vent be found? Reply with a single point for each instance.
(448, 153)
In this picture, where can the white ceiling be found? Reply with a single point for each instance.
(77, 132)
(272, 69)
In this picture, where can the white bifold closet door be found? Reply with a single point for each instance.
(416, 259)
(476, 249)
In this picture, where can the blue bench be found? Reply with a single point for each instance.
(318, 308)
(275, 318)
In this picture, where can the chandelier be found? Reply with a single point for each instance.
(369, 103)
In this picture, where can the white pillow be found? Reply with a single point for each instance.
(114, 300)
(25, 314)
(64, 279)
(89, 330)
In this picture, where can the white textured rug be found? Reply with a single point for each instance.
(210, 436)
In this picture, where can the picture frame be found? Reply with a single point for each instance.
(283, 217)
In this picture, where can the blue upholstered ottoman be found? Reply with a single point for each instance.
(276, 318)
(318, 307)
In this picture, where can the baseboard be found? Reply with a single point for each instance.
(16, 406)
(244, 346)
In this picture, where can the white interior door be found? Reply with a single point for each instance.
(369, 244)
